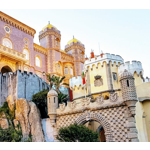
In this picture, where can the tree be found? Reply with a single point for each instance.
(62, 97)
(56, 81)
(77, 133)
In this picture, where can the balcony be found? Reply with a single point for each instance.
(12, 54)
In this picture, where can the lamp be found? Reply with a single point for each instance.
(43, 73)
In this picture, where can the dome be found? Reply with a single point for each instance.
(73, 40)
(126, 74)
(52, 93)
(49, 26)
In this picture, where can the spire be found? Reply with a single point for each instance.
(48, 22)
(73, 36)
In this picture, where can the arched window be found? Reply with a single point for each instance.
(66, 70)
(71, 71)
(37, 61)
(7, 43)
(26, 52)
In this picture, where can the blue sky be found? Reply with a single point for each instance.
(124, 32)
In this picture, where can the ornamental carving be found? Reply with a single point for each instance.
(100, 99)
(113, 97)
(98, 81)
(62, 107)
(72, 105)
(85, 101)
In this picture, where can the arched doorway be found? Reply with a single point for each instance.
(96, 127)
(96, 117)
(6, 69)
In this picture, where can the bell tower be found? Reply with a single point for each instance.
(50, 38)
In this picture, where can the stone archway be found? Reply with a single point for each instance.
(82, 119)
(6, 69)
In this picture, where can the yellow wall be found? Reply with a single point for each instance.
(146, 107)
(138, 79)
(143, 90)
(141, 122)
(100, 71)
(78, 92)
(114, 68)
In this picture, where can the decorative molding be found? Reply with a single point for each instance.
(42, 35)
(113, 97)
(75, 47)
(40, 49)
(17, 24)
(100, 99)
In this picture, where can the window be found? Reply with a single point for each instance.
(115, 76)
(56, 42)
(66, 70)
(54, 99)
(7, 29)
(37, 61)
(58, 66)
(127, 83)
(71, 71)
(26, 52)
(7, 43)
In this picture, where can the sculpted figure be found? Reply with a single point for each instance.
(100, 99)
(113, 97)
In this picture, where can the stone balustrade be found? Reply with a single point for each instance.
(12, 53)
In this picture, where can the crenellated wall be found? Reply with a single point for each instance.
(20, 85)
(106, 58)
(134, 66)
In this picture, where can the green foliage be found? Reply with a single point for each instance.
(11, 134)
(74, 133)
(61, 97)
(9, 114)
(40, 99)
(56, 81)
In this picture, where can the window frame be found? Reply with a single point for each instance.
(114, 73)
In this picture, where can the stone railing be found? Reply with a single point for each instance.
(86, 104)
(12, 53)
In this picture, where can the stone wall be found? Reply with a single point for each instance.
(20, 85)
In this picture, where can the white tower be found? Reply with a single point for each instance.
(52, 103)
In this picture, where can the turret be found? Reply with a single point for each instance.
(52, 103)
(128, 90)
(76, 49)
(50, 38)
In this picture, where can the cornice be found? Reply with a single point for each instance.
(74, 47)
(15, 23)
(40, 49)
(49, 33)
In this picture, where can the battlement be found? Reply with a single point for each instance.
(107, 57)
(75, 82)
(20, 85)
(134, 66)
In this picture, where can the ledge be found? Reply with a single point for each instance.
(12, 54)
